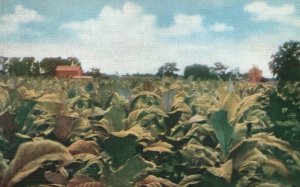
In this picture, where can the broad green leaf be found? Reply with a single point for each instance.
(224, 131)
(30, 156)
(116, 115)
(120, 148)
(89, 87)
(23, 111)
(172, 119)
(72, 92)
(126, 175)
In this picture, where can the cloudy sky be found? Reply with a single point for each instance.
(141, 35)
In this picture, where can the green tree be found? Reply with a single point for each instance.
(219, 68)
(95, 72)
(168, 69)
(48, 65)
(35, 71)
(16, 66)
(285, 64)
(199, 71)
(4, 63)
(28, 63)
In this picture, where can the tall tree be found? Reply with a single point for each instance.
(198, 71)
(168, 69)
(16, 66)
(219, 68)
(285, 64)
(28, 63)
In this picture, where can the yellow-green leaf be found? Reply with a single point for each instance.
(225, 171)
(161, 147)
(29, 158)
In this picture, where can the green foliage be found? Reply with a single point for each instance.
(223, 130)
(120, 148)
(125, 175)
(284, 112)
(168, 69)
(219, 68)
(22, 113)
(148, 132)
(25, 67)
(199, 71)
(285, 64)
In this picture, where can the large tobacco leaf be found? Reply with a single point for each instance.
(168, 99)
(23, 111)
(116, 115)
(120, 148)
(225, 171)
(224, 131)
(126, 175)
(30, 156)
(81, 146)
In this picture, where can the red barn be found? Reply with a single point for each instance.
(68, 71)
(255, 74)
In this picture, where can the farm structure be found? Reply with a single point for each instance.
(68, 71)
(255, 74)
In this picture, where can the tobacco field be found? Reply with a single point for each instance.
(148, 133)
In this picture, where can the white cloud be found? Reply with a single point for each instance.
(221, 27)
(10, 23)
(184, 25)
(130, 20)
(282, 14)
(129, 41)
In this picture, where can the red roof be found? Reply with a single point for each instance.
(68, 71)
(68, 68)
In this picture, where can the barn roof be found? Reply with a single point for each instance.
(68, 68)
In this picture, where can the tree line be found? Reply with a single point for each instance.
(285, 66)
(200, 71)
(29, 66)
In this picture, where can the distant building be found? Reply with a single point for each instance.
(68, 71)
(255, 74)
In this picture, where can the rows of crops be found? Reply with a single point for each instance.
(145, 133)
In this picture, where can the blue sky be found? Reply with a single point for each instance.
(141, 35)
